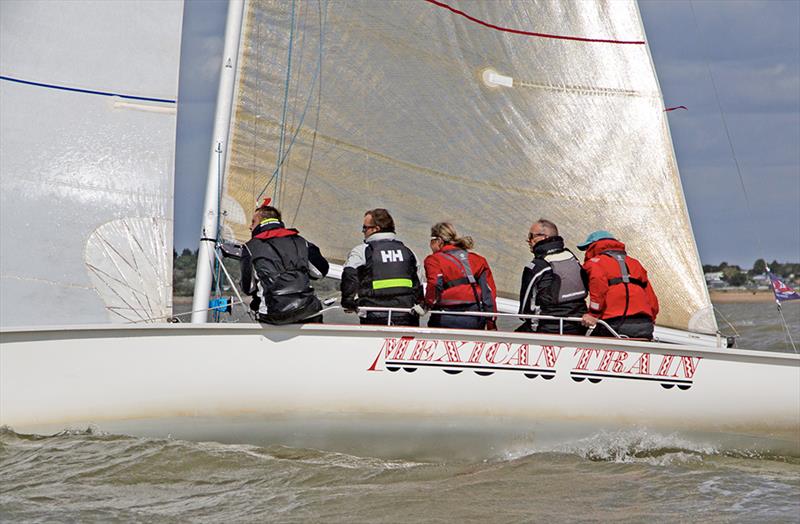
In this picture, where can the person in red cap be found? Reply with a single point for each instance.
(619, 292)
(458, 280)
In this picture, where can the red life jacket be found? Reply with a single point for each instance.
(618, 284)
(449, 284)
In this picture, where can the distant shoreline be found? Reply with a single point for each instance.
(727, 297)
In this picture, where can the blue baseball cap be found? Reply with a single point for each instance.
(593, 237)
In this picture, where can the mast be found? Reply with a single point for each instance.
(216, 163)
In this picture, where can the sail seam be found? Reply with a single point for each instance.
(592, 90)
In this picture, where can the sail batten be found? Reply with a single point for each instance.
(390, 107)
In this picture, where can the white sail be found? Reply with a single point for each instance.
(417, 108)
(87, 135)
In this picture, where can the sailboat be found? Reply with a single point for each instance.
(489, 114)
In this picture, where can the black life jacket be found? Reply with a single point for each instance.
(567, 280)
(284, 283)
(389, 271)
(480, 285)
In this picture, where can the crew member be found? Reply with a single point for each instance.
(619, 292)
(381, 272)
(277, 265)
(458, 280)
(553, 284)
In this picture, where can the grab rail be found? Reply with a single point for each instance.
(521, 316)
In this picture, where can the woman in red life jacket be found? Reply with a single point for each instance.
(458, 280)
(619, 292)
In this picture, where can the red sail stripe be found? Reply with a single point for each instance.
(676, 107)
(530, 33)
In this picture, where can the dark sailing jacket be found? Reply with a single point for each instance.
(381, 272)
(283, 262)
(554, 283)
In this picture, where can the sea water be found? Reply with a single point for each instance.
(90, 475)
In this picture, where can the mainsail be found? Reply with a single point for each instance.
(87, 132)
(490, 115)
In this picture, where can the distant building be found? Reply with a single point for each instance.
(714, 279)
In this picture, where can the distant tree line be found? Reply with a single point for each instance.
(183, 271)
(736, 276)
(183, 268)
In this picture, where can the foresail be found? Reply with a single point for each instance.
(486, 114)
(87, 132)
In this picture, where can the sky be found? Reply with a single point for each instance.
(752, 49)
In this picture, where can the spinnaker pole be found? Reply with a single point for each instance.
(216, 163)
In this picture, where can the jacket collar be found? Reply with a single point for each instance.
(272, 229)
(380, 236)
(550, 245)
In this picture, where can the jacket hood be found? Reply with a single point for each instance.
(603, 245)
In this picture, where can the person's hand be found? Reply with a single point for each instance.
(588, 320)
(418, 310)
(491, 325)
(255, 304)
(349, 305)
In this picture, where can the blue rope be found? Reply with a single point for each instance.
(87, 91)
(282, 158)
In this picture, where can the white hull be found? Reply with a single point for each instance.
(253, 383)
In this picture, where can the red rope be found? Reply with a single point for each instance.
(529, 33)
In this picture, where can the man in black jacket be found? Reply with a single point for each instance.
(553, 284)
(381, 272)
(282, 263)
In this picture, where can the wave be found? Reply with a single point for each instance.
(649, 447)
(623, 447)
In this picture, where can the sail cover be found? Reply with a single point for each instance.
(487, 114)
(87, 133)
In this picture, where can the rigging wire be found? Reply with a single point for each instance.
(735, 159)
(257, 112)
(282, 158)
(319, 105)
(285, 103)
(727, 130)
(303, 16)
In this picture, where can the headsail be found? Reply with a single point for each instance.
(87, 132)
(490, 115)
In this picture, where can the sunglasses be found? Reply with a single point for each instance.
(364, 229)
(531, 236)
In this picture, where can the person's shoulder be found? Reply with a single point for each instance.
(478, 257)
(357, 256)
(536, 264)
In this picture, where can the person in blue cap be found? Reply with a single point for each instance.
(619, 291)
